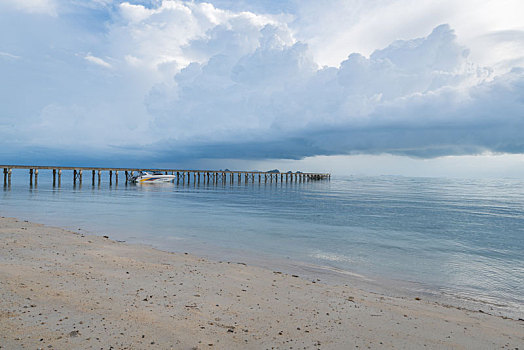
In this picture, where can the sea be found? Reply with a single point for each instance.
(458, 242)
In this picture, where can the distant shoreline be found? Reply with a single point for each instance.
(66, 289)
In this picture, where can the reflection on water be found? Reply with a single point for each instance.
(448, 235)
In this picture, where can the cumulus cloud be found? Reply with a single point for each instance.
(333, 28)
(191, 79)
(419, 97)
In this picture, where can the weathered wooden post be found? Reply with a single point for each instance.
(93, 178)
(80, 176)
(59, 177)
(5, 176)
(74, 176)
(199, 177)
(116, 177)
(31, 177)
(99, 175)
(110, 177)
(54, 177)
(9, 171)
(36, 177)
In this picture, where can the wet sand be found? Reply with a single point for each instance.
(64, 290)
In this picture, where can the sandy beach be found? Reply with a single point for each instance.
(65, 290)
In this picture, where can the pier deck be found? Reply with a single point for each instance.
(182, 175)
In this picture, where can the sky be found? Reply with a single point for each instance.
(376, 87)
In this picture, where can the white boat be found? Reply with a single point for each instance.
(147, 177)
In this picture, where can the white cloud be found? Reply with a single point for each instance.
(7, 55)
(335, 27)
(201, 81)
(47, 7)
(162, 35)
(97, 61)
(417, 97)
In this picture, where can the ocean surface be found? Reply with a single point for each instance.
(457, 240)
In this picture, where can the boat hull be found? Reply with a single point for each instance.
(155, 178)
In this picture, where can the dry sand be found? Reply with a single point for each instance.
(63, 290)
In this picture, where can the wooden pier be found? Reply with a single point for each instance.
(182, 176)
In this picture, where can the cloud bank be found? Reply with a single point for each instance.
(169, 80)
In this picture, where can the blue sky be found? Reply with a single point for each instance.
(425, 88)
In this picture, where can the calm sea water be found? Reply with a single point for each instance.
(448, 237)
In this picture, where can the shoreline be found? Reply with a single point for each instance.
(63, 289)
(463, 284)
(333, 275)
